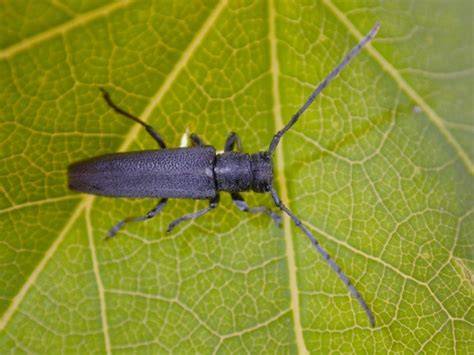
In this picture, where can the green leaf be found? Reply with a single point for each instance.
(380, 169)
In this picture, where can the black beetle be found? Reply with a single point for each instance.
(198, 172)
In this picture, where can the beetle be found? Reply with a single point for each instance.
(198, 172)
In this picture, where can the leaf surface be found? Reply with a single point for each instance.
(379, 169)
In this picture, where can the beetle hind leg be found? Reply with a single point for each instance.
(152, 213)
(212, 204)
(242, 205)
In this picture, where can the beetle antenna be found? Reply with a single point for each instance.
(326, 257)
(353, 52)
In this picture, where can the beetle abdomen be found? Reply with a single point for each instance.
(170, 173)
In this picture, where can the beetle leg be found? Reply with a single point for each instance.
(122, 112)
(242, 205)
(152, 213)
(212, 204)
(196, 141)
(232, 140)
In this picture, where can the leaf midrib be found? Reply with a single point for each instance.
(283, 184)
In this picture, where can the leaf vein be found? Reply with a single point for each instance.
(406, 87)
(61, 29)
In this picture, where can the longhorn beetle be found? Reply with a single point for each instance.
(198, 172)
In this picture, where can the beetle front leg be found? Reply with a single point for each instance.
(196, 141)
(122, 112)
(152, 213)
(242, 205)
(212, 204)
(232, 140)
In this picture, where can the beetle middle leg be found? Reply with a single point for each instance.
(152, 213)
(122, 112)
(212, 204)
(232, 140)
(242, 205)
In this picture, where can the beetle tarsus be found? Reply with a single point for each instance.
(150, 214)
(242, 205)
(113, 231)
(212, 205)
